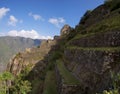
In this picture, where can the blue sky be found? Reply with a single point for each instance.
(41, 18)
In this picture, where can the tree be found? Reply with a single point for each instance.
(20, 85)
(4, 86)
(115, 83)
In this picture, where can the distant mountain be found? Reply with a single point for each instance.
(11, 45)
(82, 60)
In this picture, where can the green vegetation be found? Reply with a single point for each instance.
(18, 55)
(55, 55)
(113, 49)
(85, 16)
(12, 45)
(37, 86)
(115, 83)
(106, 25)
(4, 77)
(113, 4)
(44, 78)
(50, 86)
(112, 23)
(27, 69)
(67, 76)
(80, 27)
(70, 36)
(20, 85)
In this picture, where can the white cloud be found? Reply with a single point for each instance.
(36, 16)
(46, 37)
(28, 34)
(12, 21)
(2, 34)
(56, 21)
(3, 12)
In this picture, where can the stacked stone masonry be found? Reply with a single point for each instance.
(92, 67)
(111, 38)
(66, 88)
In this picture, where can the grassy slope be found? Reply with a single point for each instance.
(112, 23)
(96, 48)
(67, 76)
(50, 86)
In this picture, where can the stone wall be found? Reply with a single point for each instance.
(70, 89)
(66, 88)
(59, 80)
(111, 38)
(92, 67)
(96, 15)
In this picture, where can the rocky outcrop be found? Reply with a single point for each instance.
(33, 61)
(83, 62)
(92, 55)
(12, 45)
(15, 66)
(65, 30)
(30, 56)
(95, 16)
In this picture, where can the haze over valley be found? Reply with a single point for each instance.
(60, 47)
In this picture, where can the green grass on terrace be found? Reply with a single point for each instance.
(36, 85)
(95, 48)
(50, 86)
(112, 23)
(67, 76)
(106, 25)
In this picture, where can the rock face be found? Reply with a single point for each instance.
(30, 56)
(12, 45)
(79, 63)
(92, 66)
(65, 30)
(98, 14)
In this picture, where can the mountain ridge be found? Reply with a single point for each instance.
(12, 45)
(80, 60)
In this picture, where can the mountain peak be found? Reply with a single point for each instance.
(65, 30)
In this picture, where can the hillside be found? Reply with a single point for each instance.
(12, 45)
(82, 60)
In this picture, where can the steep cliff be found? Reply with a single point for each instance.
(32, 60)
(80, 61)
(29, 56)
(12, 45)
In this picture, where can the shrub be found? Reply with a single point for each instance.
(20, 86)
(4, 77)
(113, 4)
(115, 83)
